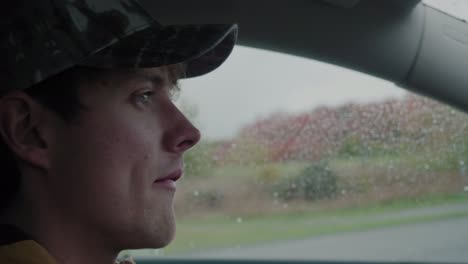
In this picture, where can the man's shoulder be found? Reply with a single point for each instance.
(17, 248)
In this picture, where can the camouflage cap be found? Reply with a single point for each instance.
(40, 38)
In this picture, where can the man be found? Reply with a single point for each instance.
(90, 141)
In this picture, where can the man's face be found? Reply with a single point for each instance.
(107, 165)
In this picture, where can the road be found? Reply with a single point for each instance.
(436, 241)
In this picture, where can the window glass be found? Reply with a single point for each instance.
(305, 160)
(457, 8)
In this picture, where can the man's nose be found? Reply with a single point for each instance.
(182, 135)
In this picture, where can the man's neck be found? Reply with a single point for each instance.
(69, 242)
(71, 245)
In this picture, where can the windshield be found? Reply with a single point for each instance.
(305, 160)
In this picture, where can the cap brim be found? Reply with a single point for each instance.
(202, 48)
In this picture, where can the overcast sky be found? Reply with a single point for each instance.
(255, 83)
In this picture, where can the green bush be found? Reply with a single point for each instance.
(316, 182)
(247, 151)
(209, 199)
(199, 161)
(268, 173)
(454, 157)
(351, 147)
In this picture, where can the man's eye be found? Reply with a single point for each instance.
(144, 97)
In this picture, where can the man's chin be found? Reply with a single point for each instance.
(152, 233)
(162, 240)
(154, 244)
(155, 240)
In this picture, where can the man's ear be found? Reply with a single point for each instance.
(20, 128)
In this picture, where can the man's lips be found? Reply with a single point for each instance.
(169, 181)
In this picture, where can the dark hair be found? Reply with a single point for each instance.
(59, 94)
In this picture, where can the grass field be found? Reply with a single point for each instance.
(222, 232)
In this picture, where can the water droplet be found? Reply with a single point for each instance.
(239, 220)
(465, 188)
(196, 193)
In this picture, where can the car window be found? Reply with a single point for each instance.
(304, 160)
(457, 8)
